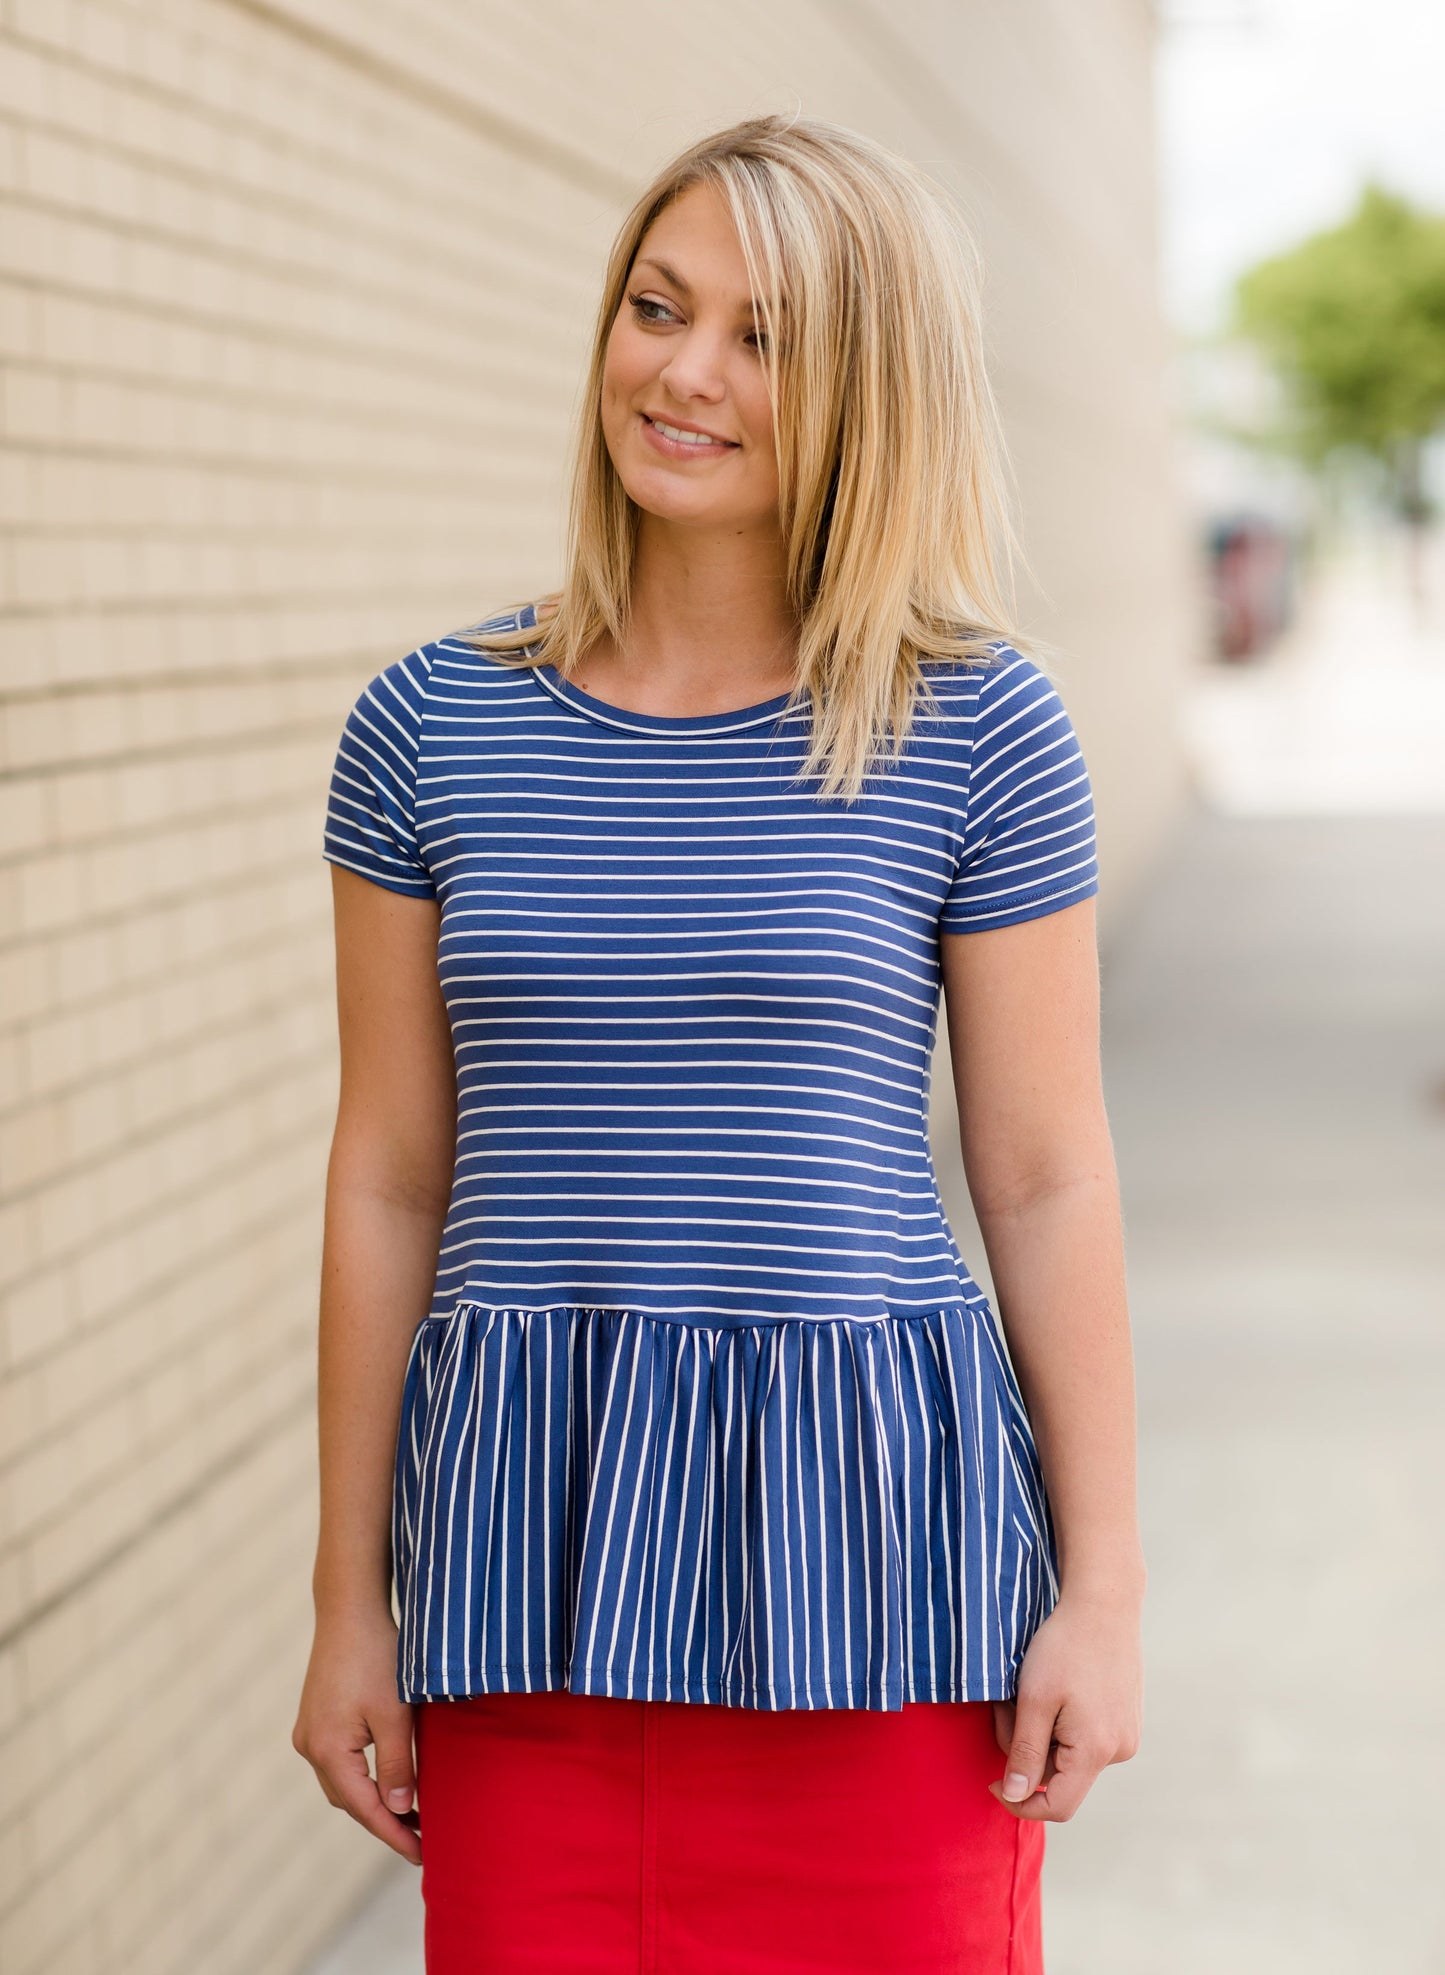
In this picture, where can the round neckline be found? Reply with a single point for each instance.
(681, 724)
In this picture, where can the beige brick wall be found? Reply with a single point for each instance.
(292, 302)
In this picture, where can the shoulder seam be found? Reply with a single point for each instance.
(426, 654)
(985, 672)
(1008, 657)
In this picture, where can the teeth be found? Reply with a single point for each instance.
(687, 438)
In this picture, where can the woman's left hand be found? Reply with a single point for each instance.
(1078, 1707)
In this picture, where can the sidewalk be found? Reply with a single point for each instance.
(1275, 1060)
(1275, 1063)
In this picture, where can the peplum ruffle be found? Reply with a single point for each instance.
(791, 1514)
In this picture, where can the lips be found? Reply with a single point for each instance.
(679, 425)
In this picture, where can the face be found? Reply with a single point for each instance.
(684, 351)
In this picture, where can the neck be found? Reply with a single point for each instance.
(708, 607)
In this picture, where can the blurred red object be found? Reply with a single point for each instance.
(1252, 570)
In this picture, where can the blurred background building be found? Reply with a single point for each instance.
(293, 302)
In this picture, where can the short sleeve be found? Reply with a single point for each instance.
(1028, 839)
(371, 810)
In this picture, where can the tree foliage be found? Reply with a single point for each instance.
(1353, 318)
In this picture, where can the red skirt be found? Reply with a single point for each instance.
(578, 1833)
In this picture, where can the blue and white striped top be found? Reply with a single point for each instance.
(707, 1406)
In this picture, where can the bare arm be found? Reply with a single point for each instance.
(1023, 1020)
(387, 1187)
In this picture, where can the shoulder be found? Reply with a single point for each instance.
(521, 617)
(405, 691)
(1027, 842)
(397, 693)
(488, 651)
(1013, 681)
(1013, 740)
(996, 701)
(998, 686)
(1003, 706)
(1024, 754)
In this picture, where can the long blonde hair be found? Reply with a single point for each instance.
(891, 463)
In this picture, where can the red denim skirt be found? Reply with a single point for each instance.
(579, 1833)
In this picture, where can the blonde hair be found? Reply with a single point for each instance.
(896, 533)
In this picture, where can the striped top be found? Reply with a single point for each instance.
(707, 1405)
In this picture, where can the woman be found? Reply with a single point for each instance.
(738, 1629)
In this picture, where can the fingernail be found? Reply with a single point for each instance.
(399, 1799)
(1015, 1787)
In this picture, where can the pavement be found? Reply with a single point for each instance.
(1275, 1069)
(1274, 1057)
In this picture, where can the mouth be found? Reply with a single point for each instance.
(682, 440)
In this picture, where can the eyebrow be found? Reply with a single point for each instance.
(671, 274)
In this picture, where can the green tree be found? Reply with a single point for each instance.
(1353, 319)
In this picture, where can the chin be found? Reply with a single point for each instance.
(659, 495)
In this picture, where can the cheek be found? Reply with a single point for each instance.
(628, 364)
(758, 419)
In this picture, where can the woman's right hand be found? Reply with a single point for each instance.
(349, 1701)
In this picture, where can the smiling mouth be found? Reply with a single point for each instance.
(703, 441)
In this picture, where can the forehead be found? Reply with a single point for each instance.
(693, 245)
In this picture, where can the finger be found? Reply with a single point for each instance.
(350, 1778)
(1020, 1809)
(1034, 1720)
(395, 1767)
(1066, 1790)
(1068, 1779)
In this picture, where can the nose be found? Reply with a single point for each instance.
(694, 367)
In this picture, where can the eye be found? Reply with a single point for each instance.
(641, 302)
(760, 338)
